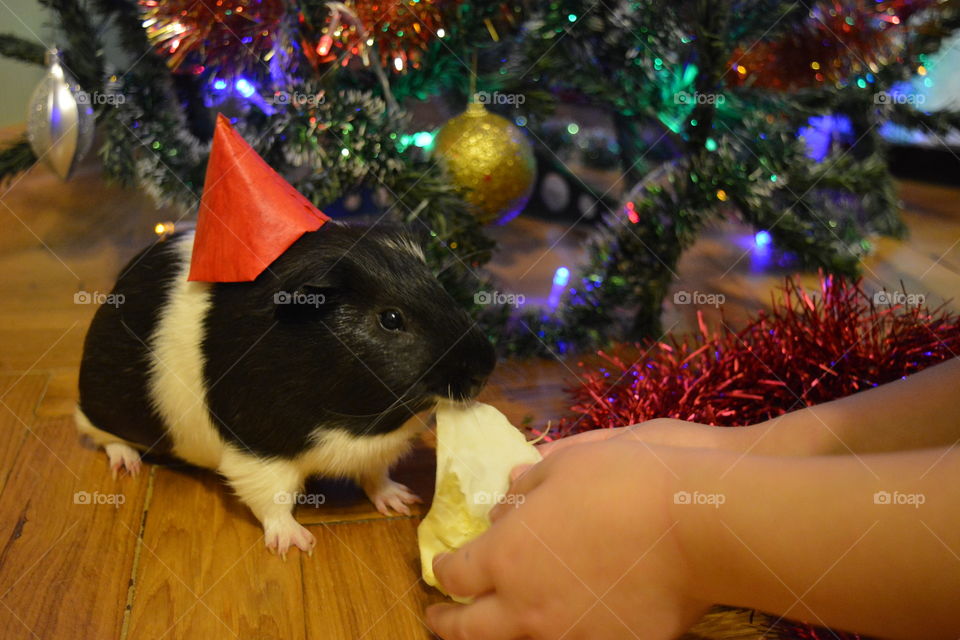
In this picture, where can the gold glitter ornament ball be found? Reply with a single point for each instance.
(491, 159)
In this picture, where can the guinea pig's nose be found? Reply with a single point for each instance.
(477, 383)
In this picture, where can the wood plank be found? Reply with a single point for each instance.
(530, 392)
(203, 569)
(80, 215)
(60, 397)
(364, 582)
(19, 397)
(68, 534)
(26, 349)
(918, 273)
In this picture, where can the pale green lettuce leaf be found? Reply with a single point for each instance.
(477, 447)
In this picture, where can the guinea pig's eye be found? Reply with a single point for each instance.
(391, 320)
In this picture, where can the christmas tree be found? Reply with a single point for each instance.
(708, 101)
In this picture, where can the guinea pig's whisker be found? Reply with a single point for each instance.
(377, 414)
(353, 415)
(399, 402)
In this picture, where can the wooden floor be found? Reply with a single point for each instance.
(172, 554)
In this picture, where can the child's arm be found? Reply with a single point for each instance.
(918, 412)
(870, 543)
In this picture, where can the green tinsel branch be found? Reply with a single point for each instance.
(712, 47)
(16, 158)
(16, 48)
(457, 246)
(630, 267)
(82, 49)
(147, 140)
(148, 143)
(125, 18)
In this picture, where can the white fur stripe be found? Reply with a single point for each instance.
(177, 389)
(404, 245)
(337, 453)
(258, 481)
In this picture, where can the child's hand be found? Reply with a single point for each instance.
(582, 547)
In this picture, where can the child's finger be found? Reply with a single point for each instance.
(464, 573)
(597, 435)
(510, 500)
(484, 618)
(518, 471)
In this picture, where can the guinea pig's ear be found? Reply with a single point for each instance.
(306, 302)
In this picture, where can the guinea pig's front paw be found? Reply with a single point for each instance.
(284, 532)
(123, 457)
(391, 497)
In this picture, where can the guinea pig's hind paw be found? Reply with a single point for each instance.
(280, 534)
(392, 497)
(123, 456)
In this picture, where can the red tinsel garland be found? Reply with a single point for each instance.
(806, 350)
(841, 39)
(401, 30)
(231, 37)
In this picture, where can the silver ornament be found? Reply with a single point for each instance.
(60, 119)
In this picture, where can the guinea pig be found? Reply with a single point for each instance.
(313, 368)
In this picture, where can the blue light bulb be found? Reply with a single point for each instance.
(244, 87)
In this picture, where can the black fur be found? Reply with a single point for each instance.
(114, 371)
(276, 371)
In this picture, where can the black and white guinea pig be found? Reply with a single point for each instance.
(314, 368)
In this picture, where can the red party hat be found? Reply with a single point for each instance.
(249, 214)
